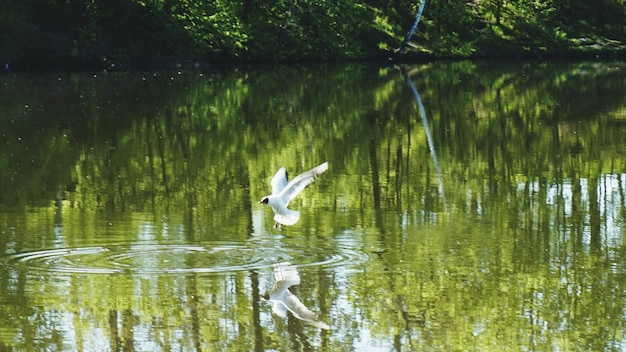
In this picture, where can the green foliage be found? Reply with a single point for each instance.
(138, 32)
(214, 27)
(307, 29)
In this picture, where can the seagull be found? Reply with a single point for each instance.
(286, 275)
(283, 192)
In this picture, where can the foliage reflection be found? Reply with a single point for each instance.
(524, 251)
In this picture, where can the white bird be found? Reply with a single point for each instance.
(286, 275)
(283, 192)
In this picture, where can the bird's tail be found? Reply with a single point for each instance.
(288, 217)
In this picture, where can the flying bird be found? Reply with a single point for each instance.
(286, 275)
(283, 192)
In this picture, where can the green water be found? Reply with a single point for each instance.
(493, 219)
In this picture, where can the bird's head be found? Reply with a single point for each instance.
(264, 200)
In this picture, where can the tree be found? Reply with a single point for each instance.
(409, 34)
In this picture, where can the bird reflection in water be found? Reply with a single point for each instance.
(286, 275)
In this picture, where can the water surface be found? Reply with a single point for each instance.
(468, 206)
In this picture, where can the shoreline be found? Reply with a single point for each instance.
(579, 53)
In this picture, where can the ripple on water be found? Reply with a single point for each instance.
(161, 259)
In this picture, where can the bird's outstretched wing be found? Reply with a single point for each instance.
(293, 188)
(279, 181)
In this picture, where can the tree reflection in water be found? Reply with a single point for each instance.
(526, 250)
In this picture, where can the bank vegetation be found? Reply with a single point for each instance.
(133, 33)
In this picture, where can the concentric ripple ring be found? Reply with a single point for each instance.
(151, 259)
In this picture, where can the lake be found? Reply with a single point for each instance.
(467, 206)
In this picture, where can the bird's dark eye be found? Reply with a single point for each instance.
(264, 200)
